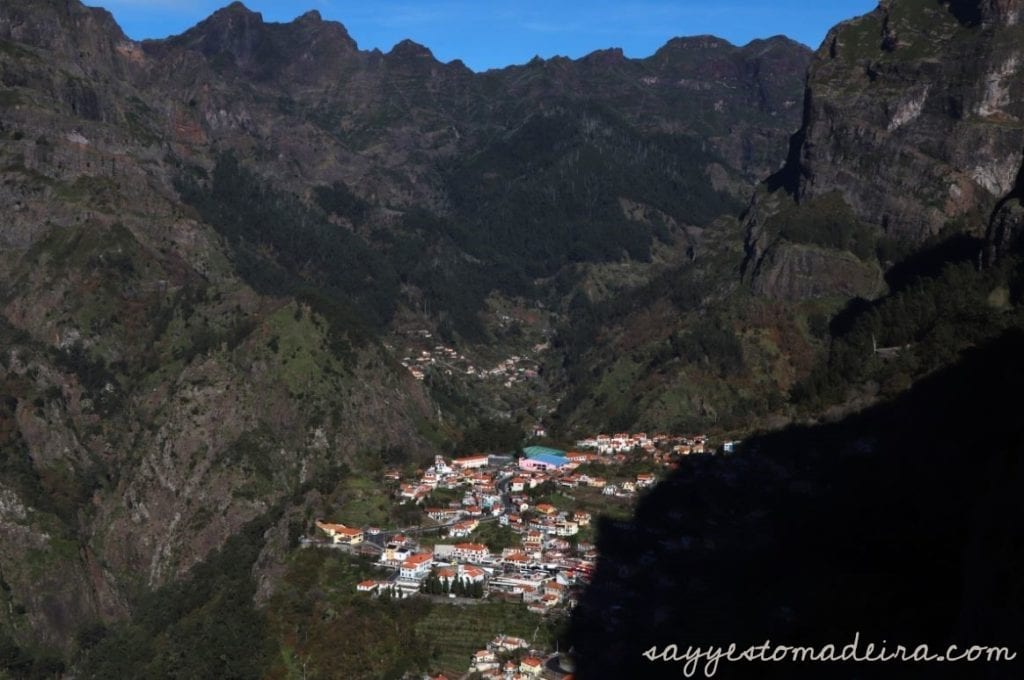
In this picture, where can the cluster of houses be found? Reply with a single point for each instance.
(549, 562)
(478, 472)
(624, 442)
(560, 469)
(515, 573)
(441, 355)
(514, 369)
(493, 663)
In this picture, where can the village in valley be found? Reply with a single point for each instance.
(504, 527)
(423, 357)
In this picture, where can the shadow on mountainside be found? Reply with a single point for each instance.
(902, 523)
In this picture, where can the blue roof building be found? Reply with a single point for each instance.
(542, 458)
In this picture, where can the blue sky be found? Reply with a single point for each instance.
(488, 34)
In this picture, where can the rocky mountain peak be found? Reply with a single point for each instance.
(235, 9)
(693, 43)
(606, 57)
(305, 49)
(82, 34)
(234, 30)
(409, 49)
(775, 42)
(332, 34)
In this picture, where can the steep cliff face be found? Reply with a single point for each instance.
(87, 37)
(913, 114)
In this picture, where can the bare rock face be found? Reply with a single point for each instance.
(1000, 12)
(794, 271)
(941, 101)
(86, 36)
(1005, 229)
(914, 113)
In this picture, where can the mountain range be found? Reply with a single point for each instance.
(215, 248)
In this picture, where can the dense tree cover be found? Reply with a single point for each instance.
(283, 247)
(548, 193)
(97, 377)
(434, 585)
(205, 625)
(22, 664)
(324, 626)
(426, 250)
(928, 322)
(338, 199)
(682, 286)
(15, 461)
(711, 343)
(492, 435)
(703, 340)
(826, 221)
(544, 195)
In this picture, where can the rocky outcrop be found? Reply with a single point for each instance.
(794, 271)
(1005, 230)
(996, 12)
(86, 37)
(914, 113)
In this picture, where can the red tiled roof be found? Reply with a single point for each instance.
(338, 529)
(417, 559)
(471, 547)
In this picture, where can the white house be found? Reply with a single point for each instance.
(470, 462)
(470, 552)
(471, 573)
(463, 529)
(340, 533)
(416, 567)
(566, 529)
